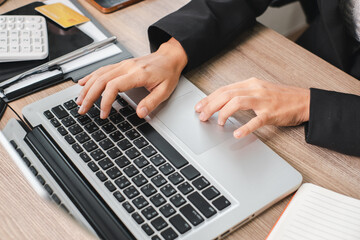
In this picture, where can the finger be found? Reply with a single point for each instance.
(83, 81)
(234, 105)
(251, 126)
(84, 90)
(159, 94)
(215, 105)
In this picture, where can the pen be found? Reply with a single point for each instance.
(60, 60)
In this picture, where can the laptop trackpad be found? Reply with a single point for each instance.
(180, 117)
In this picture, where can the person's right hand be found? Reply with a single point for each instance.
(158, 72)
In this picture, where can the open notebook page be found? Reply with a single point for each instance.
(316, 213)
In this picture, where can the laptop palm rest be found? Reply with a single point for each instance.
(179, 116)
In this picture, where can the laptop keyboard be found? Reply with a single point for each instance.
(150, 179)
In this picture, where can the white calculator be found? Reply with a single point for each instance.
(23, 38)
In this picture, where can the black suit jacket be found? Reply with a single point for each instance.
(204, 27)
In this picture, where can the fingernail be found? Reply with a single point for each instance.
(237, 134)
(202, 116)
(78, 100)
(220, 122)
(198, 107)
(81, 109)
(102, 114)
(143, 112)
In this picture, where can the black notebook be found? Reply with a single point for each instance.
(61, 42)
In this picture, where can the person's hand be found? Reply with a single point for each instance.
(273, 104)
(158, 72)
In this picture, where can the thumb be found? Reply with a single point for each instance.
(251, 126)
(151, 101)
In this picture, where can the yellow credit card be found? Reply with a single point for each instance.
(62, 14)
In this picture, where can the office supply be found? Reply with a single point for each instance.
(318, 213)
(62, 14)
(61, 41)
(23, 38)
(108, 6)
(54, 64)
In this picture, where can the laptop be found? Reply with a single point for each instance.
(168, 176)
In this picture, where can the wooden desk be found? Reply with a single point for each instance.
(259, 52)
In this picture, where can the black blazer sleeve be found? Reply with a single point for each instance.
(204, 27)
(334, 121)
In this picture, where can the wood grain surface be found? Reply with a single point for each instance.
(261, 53)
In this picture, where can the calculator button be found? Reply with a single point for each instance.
(38, 48)
(14, 49)
(26, 49)
(3, 49)
(2, 26)
(11, 19)
(11, 26)
(2, 19)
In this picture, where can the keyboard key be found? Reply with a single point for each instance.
(113, 172)
(98, 135)
(48, 114)
(75, 112)
(124, 144)
(83, 119)
(82, 137)
(100, 121)
(55, 122)
(135, 120)
(77, 148)
(124, 126)
(122, 101)
(191, 214)
(200, 203)
(185, 188)
(75, 129)
(157, 200)
(119, 196)
(140, 142)
(138, 219)
(70, 105)
(177, 200)
(122, 182)
(109, 127)
(40, 179)
(132, 153)
(122, 161)
(147, 229)
(190, 172)
(85, 157)
(139, 180)
(141, 162)
(157, 160)
(211, 193)
(106, 163)
(97, 154)
(101, 176)
(176, 178)
(116, 136)
(48, 189)
(106, 144)
(114, 152)
(27, 161)
(90, 146)
(98, 102)
(128, 207)
(169, 234)
(159, 180)
(93, 112)
(132, 134)
(20, 152)
(149, 212)
(221, 203)
(91, 127)
(110, 186)
(166, 169)
(59, 112)
(162, 145)
(201, 183)
(140, 202)
(148, 151)
(62, 131)
(168, 190)
(180, 224)
(131, 171)
(167, 210)
(159, 223)
(93, 166)
(131, 192)
(68, 121)
(150, 171)
(56, 199)
(13, 143)
(126, 111)
(116, 118)
(148, 190)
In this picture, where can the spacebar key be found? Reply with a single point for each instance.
(201, 204)
(162, 145)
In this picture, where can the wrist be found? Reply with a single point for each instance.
(176, 54)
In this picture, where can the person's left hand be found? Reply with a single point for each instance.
(273, 104)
